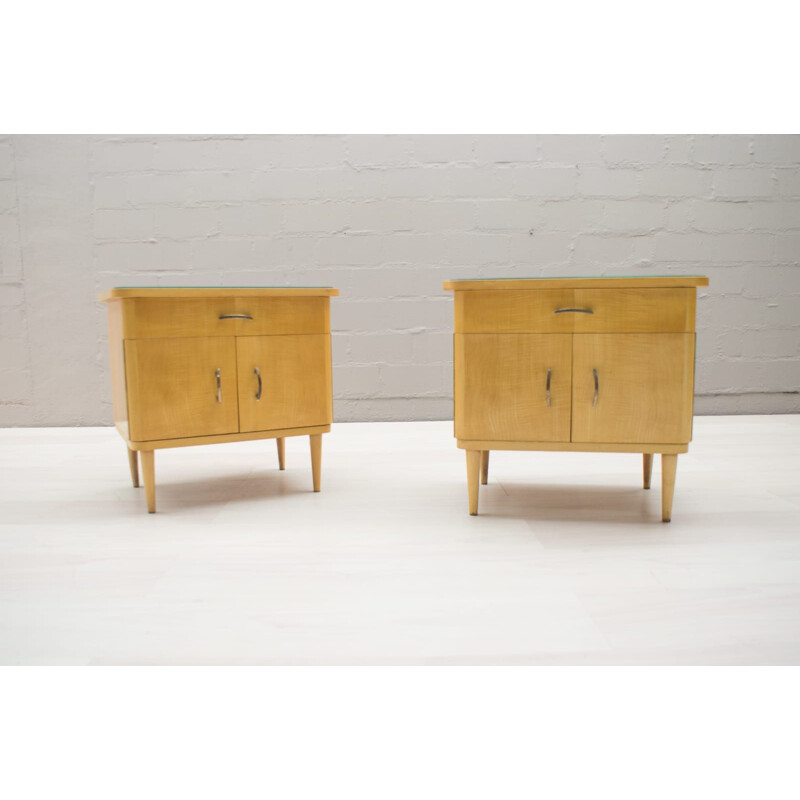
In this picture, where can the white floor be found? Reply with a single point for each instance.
(567, 563)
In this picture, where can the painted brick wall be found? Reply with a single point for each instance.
(386, 219)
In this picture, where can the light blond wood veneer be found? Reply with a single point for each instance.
(172, 387)
(183, 369)
(645, 387)
(619, 355)
(501, 386)
(621, 310)
(294, 377)
(153, 317)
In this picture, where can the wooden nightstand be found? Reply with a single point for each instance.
(201, 366)
(588, 364)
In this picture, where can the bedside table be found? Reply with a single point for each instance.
(579, 364)
(209, 365)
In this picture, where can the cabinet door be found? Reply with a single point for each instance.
(501, 386)
(644, 390)
(284, 381)
(173, 389)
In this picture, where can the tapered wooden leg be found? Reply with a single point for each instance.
(316, 458)
(669, 466)
(484, 467)
(473, 474)
(281, 453)
(133, 461)
(149, 475)
(647, 468)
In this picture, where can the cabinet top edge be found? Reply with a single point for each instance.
(662, 282)
(121, 292)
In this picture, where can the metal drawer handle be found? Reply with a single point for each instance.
(219, 385)
(596, 388)
(547, 393)
(235, 316)
(258, 375)
(575, 310)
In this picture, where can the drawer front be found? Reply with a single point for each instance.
(634, 311)
(157, 318)
(576, 311)
(513, 311)
(282, 315)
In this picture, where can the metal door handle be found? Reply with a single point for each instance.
(575, 310)
(547, 392)
(218, 375)
(258, 375)
(596, 388)
(235, 316)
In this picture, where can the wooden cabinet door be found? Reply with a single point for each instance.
(173, 389)
(284, 381)
(644, 389)
(501, 386)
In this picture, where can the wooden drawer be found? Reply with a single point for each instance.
(283, 315)
(155, 318)
(513, 311)
(634, 311)
(576, 311)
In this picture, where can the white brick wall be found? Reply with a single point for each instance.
(386, 219)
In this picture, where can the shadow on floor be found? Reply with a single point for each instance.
(537, 503)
